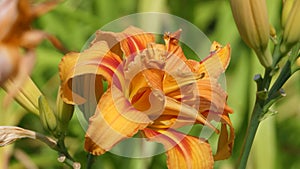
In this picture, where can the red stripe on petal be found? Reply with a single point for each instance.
(183, 151)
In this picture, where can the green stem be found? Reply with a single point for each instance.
(267, 79)
(90, 161)
(286, 71)
(63, 159)
(251, 131)
(62, 147)
(285, 74)
(257, 113)
(277, 55)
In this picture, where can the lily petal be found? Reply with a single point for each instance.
(134, 40)
(185, 112)
(97, 61)
(111, 39)
(9, 61)
(212, 96)
(215, 64)
(130, 41)
(183, 151)
(180, 82)
(115, 119)
(9, 8)
(172, 45)
(225, 143)
(153, 61)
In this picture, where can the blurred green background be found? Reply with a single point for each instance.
(277, 144)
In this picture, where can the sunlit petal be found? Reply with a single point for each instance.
(212, 96)
(186, 112)
(134, 40)
(183, 151)
(97, 61)
(146, 70)
(130, 41)
(225, 143)
(115, 119)
(172, 45)
(215, 64)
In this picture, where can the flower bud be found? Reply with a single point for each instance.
(47, 116)
(64, 112)
(287, 6)
(290, 24)
(27, 96)
(252, 22)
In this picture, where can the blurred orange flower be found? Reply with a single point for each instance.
(18, 40)
(152, 89)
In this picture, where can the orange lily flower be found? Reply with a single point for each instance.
(18, 40)
(152, 89)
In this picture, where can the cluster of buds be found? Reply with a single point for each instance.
(251, 18)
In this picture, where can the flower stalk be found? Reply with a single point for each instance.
(267, 94)
(249, 138)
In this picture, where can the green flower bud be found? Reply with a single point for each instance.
(64, 112)
(252, 22)
(47, 116)
(27, 96)
(287, 6)
(290, 24)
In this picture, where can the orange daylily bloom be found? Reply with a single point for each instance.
(152, 89)
(18, 40)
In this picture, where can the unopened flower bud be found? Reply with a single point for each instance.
(27, 96)
(47, 116)
(290, 24)
(64, 112)
(252, 22)
(287, 6)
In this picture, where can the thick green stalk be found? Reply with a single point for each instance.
(90, 161)
(257, 113)
(251, 131)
